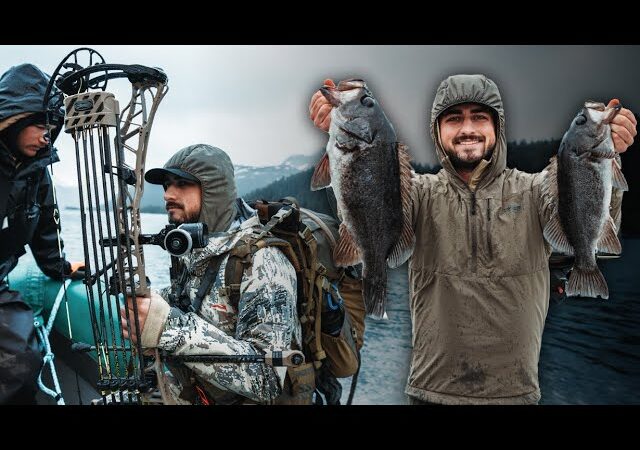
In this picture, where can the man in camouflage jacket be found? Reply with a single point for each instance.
(200, 187)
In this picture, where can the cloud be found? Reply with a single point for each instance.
(252, 100)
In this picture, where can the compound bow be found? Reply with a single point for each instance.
(110, 189)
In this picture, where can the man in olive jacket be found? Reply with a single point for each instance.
(479, 277)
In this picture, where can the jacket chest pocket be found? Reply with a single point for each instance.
(215, 307)
(510, 233)
(24, 209)
(23, 221)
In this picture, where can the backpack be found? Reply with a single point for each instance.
(308, 238)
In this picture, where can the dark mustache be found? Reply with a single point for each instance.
(468, 136)
(173, 205)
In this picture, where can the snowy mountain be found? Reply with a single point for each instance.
(248, 178)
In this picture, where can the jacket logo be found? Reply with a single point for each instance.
(512, 208)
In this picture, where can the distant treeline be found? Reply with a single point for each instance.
(534, 156)
(526, 156)
(297, 186)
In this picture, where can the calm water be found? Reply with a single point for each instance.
(590, 349)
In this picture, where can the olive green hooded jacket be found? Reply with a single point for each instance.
(479, 275)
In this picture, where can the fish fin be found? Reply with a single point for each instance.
(554, 234)
(346, 253)
(407, 241)
(375, 297)
(587, 283)
(321, 178)
(618, 181)
(550, 180)
(609, 242)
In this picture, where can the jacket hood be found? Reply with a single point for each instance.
(458, 89)
(22, 90)
(213, 168)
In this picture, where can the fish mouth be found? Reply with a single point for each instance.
(603, 148)
(330, 95)
(609, 111)
(354, 83)
(612, 112)
(598, 106)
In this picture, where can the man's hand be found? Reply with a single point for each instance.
(77, 270)
(320, 108)
(143, 303)
(623, 128)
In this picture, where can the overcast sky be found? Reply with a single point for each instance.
(252, 101)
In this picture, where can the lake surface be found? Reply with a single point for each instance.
(590, 348)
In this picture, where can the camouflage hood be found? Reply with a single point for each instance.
(213, 168)
(458, 89)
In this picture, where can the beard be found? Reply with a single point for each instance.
(186, 218)
(465, 164)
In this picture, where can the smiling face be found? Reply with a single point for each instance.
(467, 134)
(183, 200)
(32, 139)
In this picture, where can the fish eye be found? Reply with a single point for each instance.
(367, 101)
(581, 119)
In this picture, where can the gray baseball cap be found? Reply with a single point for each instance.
(158, 176)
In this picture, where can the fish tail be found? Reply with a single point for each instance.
(587, 283)
(375, 296)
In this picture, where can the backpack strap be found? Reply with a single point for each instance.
(323, 226)
(207, 281)
(278, 217)
(315, 276)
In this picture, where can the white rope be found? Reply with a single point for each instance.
(48, 357)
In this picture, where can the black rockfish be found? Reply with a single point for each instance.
(583, 174)
(370, 173)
